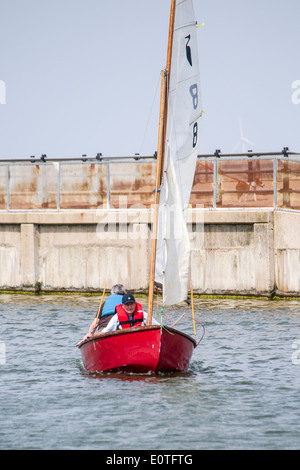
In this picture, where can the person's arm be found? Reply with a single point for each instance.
(112, 325)
(94, 324)
(92, 328)
(154, 322)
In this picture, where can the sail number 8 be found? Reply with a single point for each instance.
(195, 134)
(194, 94)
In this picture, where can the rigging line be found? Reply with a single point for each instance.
(161, 324)
(150, 113)
(178, 319)
(166, 329)
(193, 311)
(184, 315)
(168, 316)
(194, 319)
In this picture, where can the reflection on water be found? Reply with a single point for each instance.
(241, 390)
(134, 377)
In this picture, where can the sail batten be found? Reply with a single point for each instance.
(193, 23)
(181, 150)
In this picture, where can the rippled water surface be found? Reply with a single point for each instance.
(242, 390)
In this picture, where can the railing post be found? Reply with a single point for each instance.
(286, 184)
(58, 186)
(275, 166)
(7, 188)
(215, 183)
(108, 185)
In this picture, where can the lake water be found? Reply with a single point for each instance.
(242, 390)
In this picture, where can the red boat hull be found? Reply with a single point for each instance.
(138, 350)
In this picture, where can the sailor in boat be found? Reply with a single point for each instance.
(129, 314)
(108, 310)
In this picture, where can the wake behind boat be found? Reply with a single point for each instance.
(155, 348)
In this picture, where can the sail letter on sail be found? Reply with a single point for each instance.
(181, 149)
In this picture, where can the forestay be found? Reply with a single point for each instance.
(181, 149)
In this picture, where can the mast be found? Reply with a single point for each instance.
(160, 156)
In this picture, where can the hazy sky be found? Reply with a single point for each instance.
(83, 76)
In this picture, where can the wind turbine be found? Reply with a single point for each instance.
(243, 140)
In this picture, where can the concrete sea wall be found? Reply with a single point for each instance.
(238, 252)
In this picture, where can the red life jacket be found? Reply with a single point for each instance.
(124, 319)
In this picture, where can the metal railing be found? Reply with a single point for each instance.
(248, 180)
(269, 180)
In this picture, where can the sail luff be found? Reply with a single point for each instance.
(160, 158)
(159, 164)
(181, 148)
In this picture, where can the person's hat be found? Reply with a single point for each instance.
(127, 298)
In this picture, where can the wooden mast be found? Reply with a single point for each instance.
(160, 156)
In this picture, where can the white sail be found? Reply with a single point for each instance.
(184, 112)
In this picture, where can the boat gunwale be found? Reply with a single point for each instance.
(101, 336)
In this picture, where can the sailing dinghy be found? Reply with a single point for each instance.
(155, 348)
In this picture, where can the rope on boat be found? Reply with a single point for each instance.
(181, 315)
(192, 299)
(160, 321)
